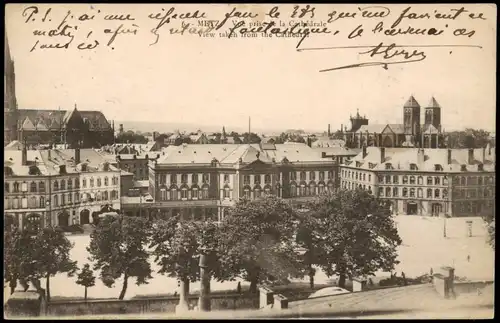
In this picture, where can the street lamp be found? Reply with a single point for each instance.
(444, 226)
(204, 300)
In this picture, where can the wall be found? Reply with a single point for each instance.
(461, 288)
(149, 305)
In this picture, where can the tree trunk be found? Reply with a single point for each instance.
(342, 278)
(85, 293)
(47, 287)
(183, 296)
(13, 285)
(311, 279)
(124, 288)
(254, 280)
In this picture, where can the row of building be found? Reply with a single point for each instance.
(70, 186)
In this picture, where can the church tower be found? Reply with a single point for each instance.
(433, 114)
(9, 94)
(411, 117)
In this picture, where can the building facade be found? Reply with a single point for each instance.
(57, 187)
(411, 133)
(428, 182)
(202, 181)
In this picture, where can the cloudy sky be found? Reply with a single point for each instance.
(220, 81)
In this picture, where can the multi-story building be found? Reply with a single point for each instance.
(58, 187)
(72, 127)
(416, 181)
(202, 181)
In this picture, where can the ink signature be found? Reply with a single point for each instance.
(386, 53)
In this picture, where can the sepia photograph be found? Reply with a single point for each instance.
(249, 161)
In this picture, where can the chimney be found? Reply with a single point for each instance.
(449, 156)
(77, 155)
(470, 159)
(420, 156)
(382, 154)
(309, 141)
(329, 133)
(24, 155)
(483, 160)
(364, 151)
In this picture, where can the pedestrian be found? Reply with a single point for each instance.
(404, 278)
(468, 258)
(238, 288)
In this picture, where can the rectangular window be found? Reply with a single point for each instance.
(24, 203)
(227, 193)
(24, 187)
(246, 179)
(184, 194)
(226, 178)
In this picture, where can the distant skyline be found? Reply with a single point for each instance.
(216, 82)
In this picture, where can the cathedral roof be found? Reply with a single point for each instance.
(433, 103)
(54, 118)
(412, 103)
(28, 124)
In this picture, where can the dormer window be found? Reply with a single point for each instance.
(463, 168)
(413, 167)
(388, 166)
(438, 167)
(62, 169)
(480, 167)
(358, 164)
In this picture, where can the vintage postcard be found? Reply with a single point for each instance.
(249, 161)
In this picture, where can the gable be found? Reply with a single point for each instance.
(388, 130)
(257, 165)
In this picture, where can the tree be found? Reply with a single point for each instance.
(470, 138)
(308, 237)
(358, 234)
(490, 224)
(257, 242)
(117, 246)
(251, 138)
(177, 246)
(53, 255)
(17, 256)
(131, 137)
(86, 278)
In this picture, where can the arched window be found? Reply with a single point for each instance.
(41, 202)
(412, 180)
(63, 184)
(405, 192)
(256, 179)
(41, 187)
(99, 182)
(312, 175)
(445, 193)
(184, 193)
(246, 192)
(462, 180)
(105, 195)
(302, 176)
(293, 190)
(194, 178)
(173, 194)
(436, 193)
(429, 180)
(246, 179)
(70, 184)
(32, 202)
(429, 193)
(84, 183)
(184, 178)
(33, 187)
(204, 192)
(388, 179)
(312, 188)
(405, 179)
(256, 192)
(322, 175)
(56, 200)
(6, 187)
(412, 192)
(420, 180)
(91, 182)
(194, 193)
(106, 181)
(388, 191)
(56, 186)
(395, 191)
(267, 179)
(420, 193)
(331, 187)
(321, 188)
(330, 174)
(395, 179)
(173, 178)
(437, 180)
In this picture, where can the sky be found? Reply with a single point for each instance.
(221, 81)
